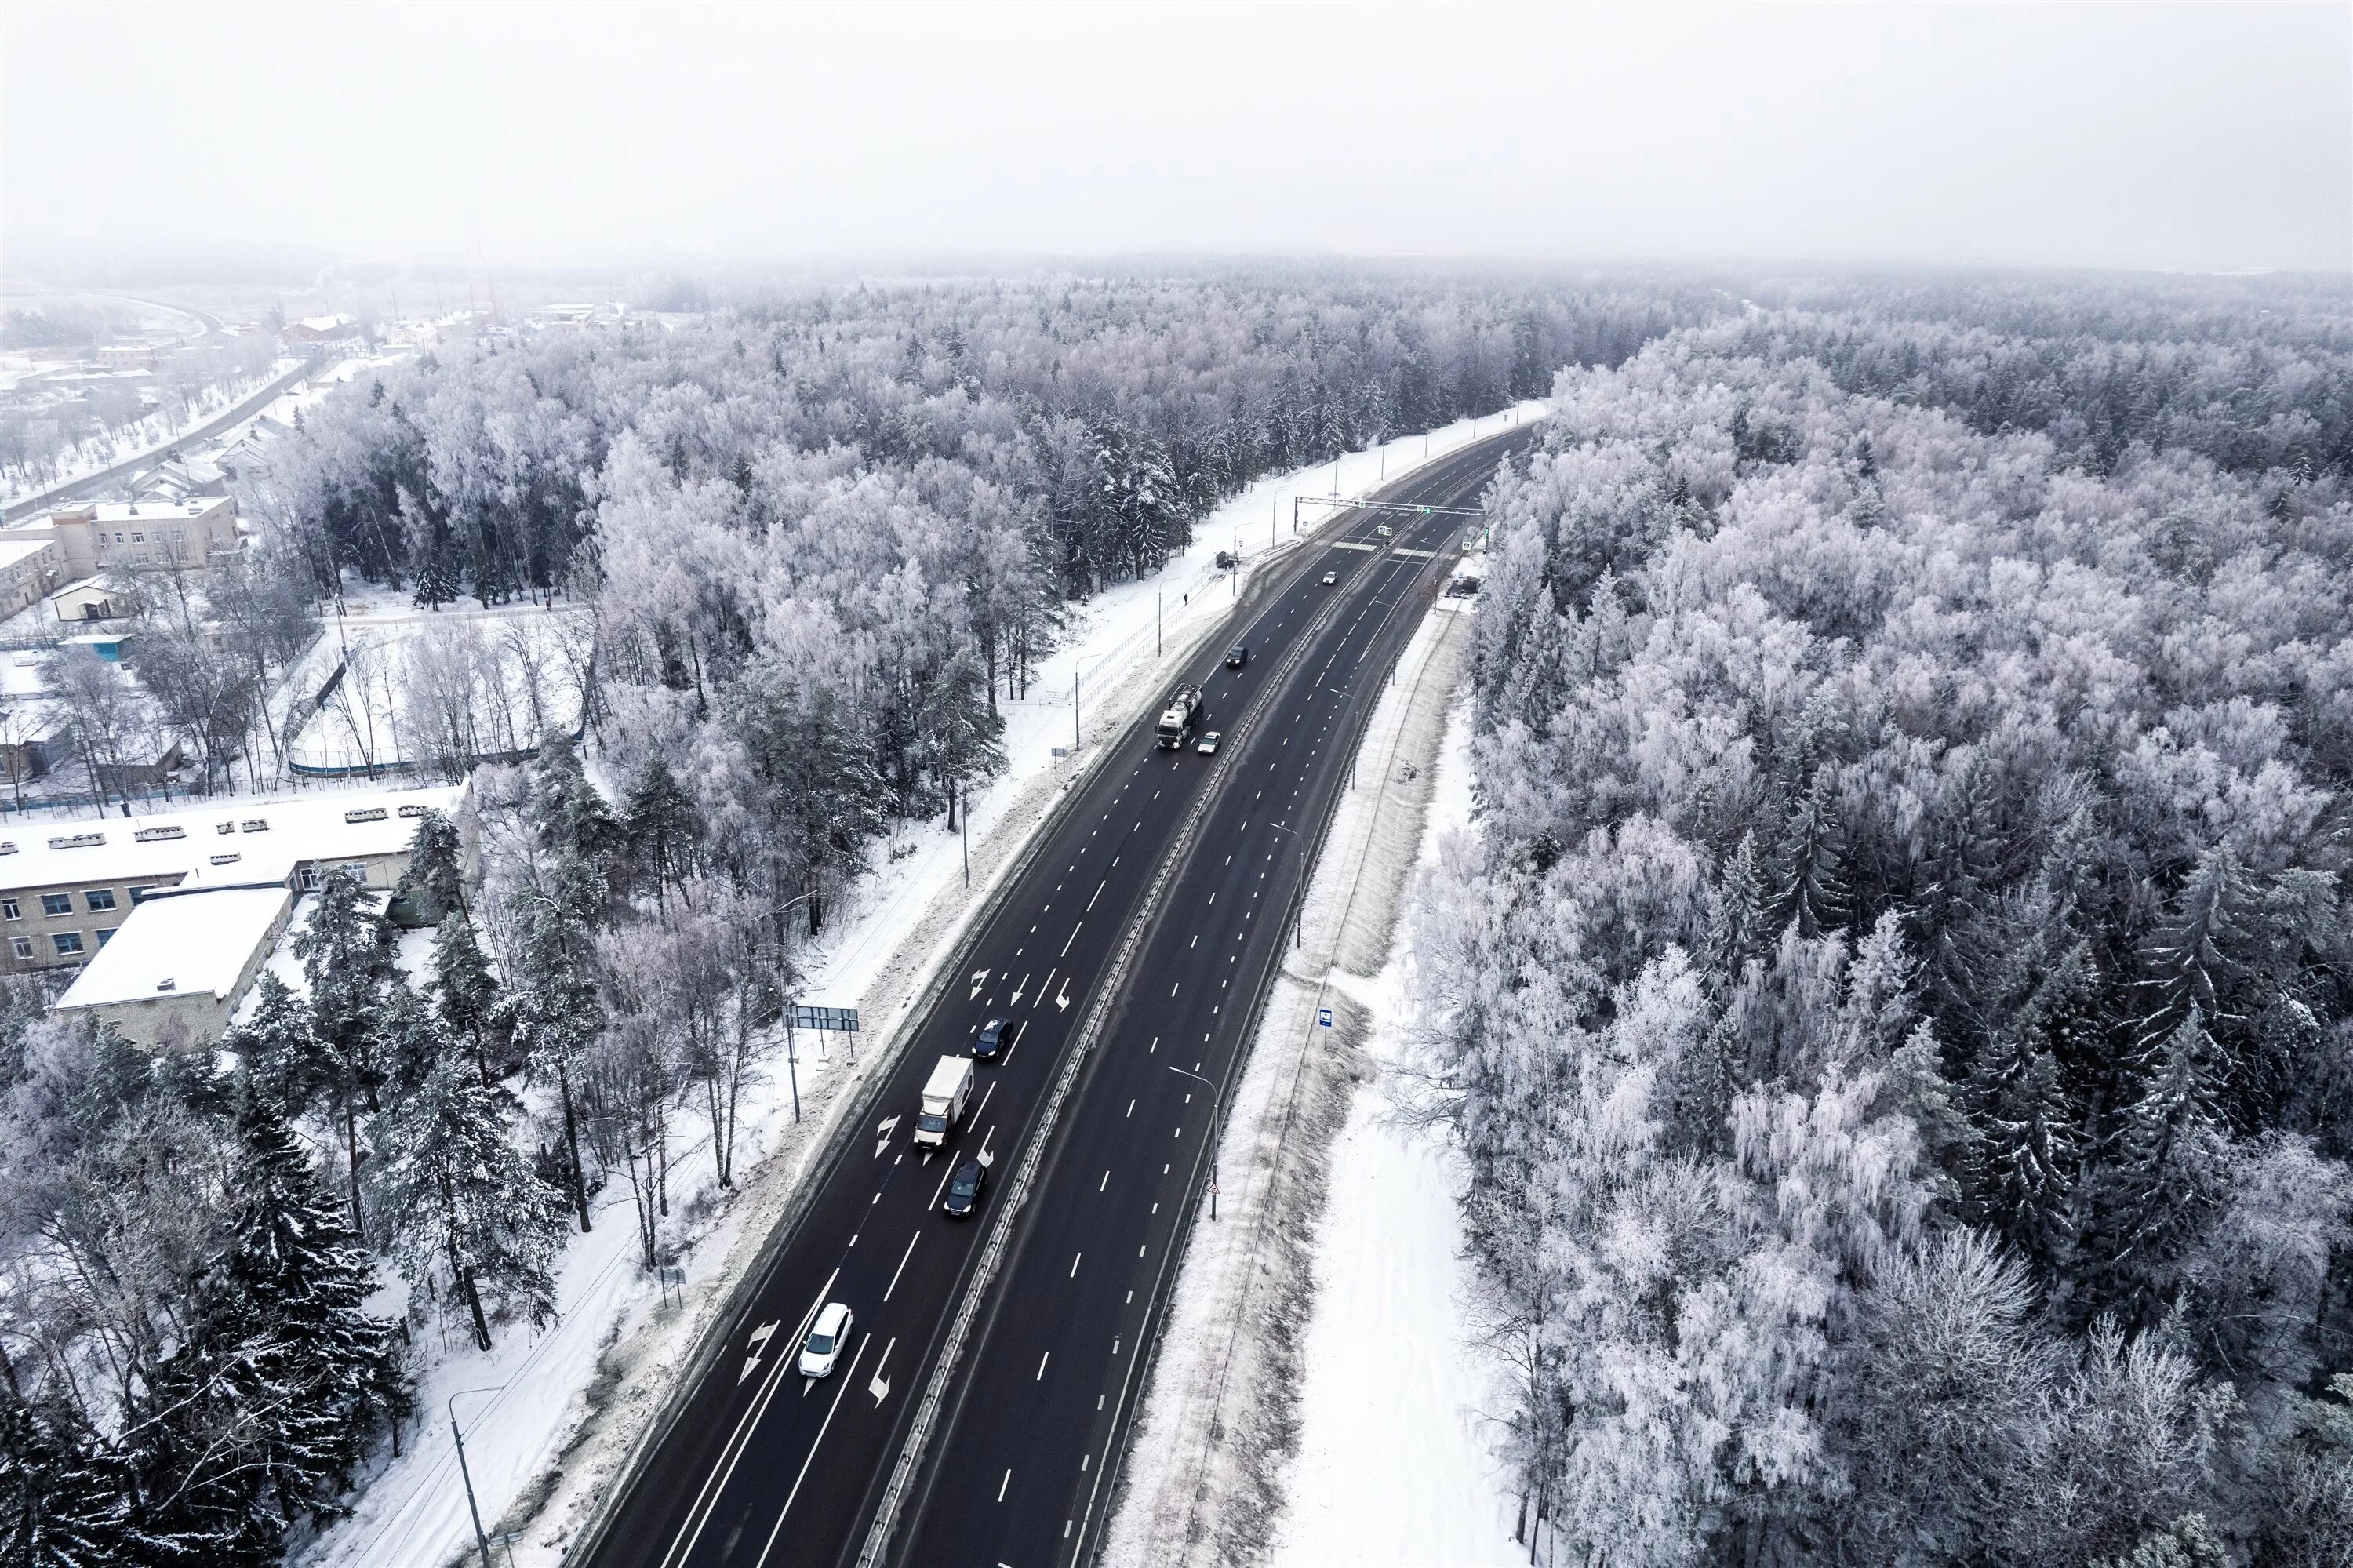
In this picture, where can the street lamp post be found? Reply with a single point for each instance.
(482, 1539)
(1213, 1169)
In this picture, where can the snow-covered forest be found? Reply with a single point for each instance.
(1896, 1003)
(822, 541)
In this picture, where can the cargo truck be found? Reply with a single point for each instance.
(943, 1096)
(1176, 718)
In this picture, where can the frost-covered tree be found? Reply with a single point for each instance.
(469, 1201)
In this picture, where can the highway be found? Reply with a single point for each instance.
(1125, 1031)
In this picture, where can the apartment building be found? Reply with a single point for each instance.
(97, 534)
(68, 889)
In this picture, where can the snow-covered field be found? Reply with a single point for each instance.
(556, 1413)
(419, 686)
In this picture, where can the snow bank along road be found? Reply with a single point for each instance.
(970, 1425)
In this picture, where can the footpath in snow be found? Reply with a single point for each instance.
(552, 1420)
(1314, 1398)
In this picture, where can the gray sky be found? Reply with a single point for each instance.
(2168, 136)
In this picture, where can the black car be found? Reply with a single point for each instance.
(989, 1041)
(964, 1190)
(1237, 656)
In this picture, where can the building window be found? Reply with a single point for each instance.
(309, 879)
(9, 908)
(103, 935)
(100, 898)
(57, 903)
(22, 946)
(141, 892)
(137, 537)
(67, 941)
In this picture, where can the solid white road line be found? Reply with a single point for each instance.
(848, 1378)
(738, 1440)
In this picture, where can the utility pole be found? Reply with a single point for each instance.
(1159, 602)
(963, 831)
(482, 1539)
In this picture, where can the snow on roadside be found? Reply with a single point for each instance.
(550, 1420)
(1393, 1465)
(1205, 1477)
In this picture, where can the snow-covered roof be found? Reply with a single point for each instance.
(175, 944)
(325, 324)
(158, 511)
(14, 550)
(268, 838)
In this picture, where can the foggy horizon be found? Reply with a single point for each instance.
(2178, 139)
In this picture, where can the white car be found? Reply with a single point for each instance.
(1208, 745)
(822, 1350)
(1329, 578)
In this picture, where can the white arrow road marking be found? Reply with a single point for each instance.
(759, 1345)
(883, 1135)
(880, 1386)
(1063, 1001)
(1019, 988)
(979, 979)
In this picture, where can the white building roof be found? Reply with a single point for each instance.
(14, 550)
(158, 511)
(127, 849)
(178, 943)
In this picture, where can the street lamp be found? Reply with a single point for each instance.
(480, 1539)
(1213, 1169)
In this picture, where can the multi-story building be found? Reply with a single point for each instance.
(30, 568)
(66, 888)
(183, 960)
(94, 535)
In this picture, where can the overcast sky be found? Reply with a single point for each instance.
(2166, 136)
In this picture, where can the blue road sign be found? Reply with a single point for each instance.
(1323, 1016)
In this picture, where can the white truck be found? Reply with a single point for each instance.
(1176, 718)
(943, 1096)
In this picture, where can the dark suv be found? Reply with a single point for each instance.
(964, 1190)
(989, 1041)
(1237, 656)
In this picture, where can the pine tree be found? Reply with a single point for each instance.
(346, 951)
(2029, 1149)
(275, 1046)
(662, 827)
(566, 811)
(468, 1199)
(436, 580)
(65, 1501)
(436, 877)
(1737, 918)
(262, 1413)
(464, 990)
(2191, 962)
(2166, 1156)
(554, 1005)
(1814, 888)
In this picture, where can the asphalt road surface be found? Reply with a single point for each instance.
(765, 1467)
